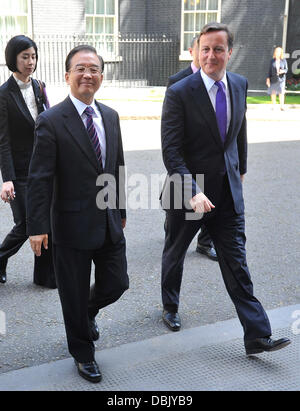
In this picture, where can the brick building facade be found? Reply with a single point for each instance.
(258, 27)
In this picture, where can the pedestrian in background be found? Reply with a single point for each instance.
(277, 77)
(22, 99)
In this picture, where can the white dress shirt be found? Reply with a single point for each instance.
(28, 95)
(98, 122)
(212, 92)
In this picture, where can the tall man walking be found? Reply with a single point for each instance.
(76, 142)
(204, 132)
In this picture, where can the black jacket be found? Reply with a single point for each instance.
(16, 129)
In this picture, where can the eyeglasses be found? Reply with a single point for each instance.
(94, 70)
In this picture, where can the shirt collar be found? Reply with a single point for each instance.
(80, 106)
(209, 82)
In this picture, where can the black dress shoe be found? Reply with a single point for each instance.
(210, 252)
(260, 345)
(89, 371)
(172, 320)
(94, 330)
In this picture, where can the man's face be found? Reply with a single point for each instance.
(214, 54)
(194, 52)
(84, 76)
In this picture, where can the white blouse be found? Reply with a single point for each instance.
(28, 95)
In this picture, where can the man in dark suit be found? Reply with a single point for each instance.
(204, 133)
(205, 244)
(77, 141)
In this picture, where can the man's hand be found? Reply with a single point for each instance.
(123, 220)
(7, 191)
(242, 177)
(36, 242)
(201, 204)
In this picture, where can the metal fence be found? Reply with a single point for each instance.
(136, 60)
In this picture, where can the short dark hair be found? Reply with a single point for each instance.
(215, 26)
(77, 49)
(14, 47)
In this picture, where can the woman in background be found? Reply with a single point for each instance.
(277, 77)
(21, 100)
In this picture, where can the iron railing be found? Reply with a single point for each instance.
(137, 60)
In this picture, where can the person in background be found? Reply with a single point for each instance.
(277, 77)
(205, 244)
(22, 99)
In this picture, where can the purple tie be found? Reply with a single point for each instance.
(221, 109)
(89, 111)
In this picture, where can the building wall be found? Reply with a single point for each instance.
(293, 36)
(256, 24)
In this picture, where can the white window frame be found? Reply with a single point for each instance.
(29, 20)
(184, 54)
(114, 55)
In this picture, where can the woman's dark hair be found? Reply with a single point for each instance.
(83, 47)
(14, 47)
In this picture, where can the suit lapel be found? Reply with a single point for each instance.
(76, 128)
(17, 96)
(203, 102)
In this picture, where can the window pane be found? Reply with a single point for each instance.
(100, 7)
(189, 21)
(189, 4)
(109, 25)
(99, 25)
(213, 4)
(200, 21)
(22, 6)
(201, 4)
(187, 40)
(21, 25)
(10, 24)
(89, 25)
(110, 6)
(211, 17)
(89, 6)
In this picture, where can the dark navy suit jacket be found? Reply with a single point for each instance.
(191, 142)
(63, 172)
(179, 76)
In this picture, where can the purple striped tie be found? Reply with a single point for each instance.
(89, 111)
(221, 109)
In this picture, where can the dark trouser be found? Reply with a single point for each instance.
(43, 266)
(227, 230)
(204, 238)
(79, 302)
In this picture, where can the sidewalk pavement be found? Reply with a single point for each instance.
(206, 358)
(146, 104)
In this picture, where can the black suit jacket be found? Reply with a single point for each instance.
(191, 142)
(63, 172)
(179, 76)
(273, 76)
(16, 130)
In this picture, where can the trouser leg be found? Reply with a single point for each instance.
(227, 230)
(73, 270)
(111, 279)
(179, 235)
